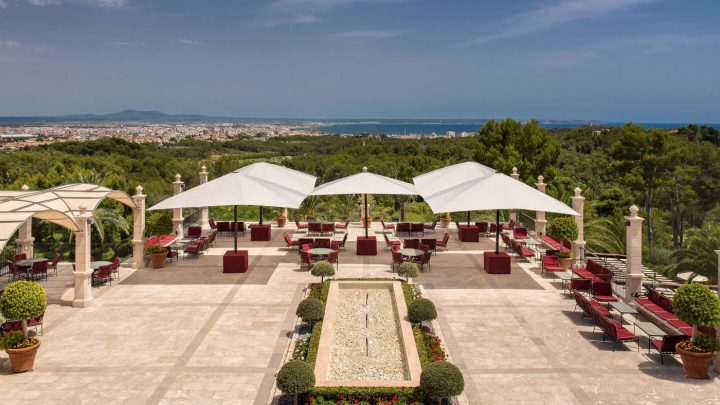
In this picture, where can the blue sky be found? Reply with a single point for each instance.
(639, 60)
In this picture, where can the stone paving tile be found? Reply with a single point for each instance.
(521, 388)
(213, 387)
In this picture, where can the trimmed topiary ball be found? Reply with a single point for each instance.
(295, 377)
(408, 270)
(697, 305)
(562, 227)
(323, 269)
(441, 380)
(421, 310)
(23, 300)
(311, 310)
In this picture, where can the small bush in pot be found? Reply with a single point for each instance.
(311, 310)
(157, 255)
(408, 270)
(421, 310)
(697, 305)
(295, 377)
(323, 269)
(22, 300)
(441, 379)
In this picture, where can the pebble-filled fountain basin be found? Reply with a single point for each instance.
(366, 339)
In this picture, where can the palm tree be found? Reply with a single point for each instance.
(108, 216)
(604, 236)
(697, 256)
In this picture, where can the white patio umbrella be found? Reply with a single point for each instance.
(494, 192)
(450, 176)
(365, 183)
(262, 184)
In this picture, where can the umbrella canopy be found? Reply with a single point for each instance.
(263, 184)
(365, 183)
(450, 176)
(495, 192)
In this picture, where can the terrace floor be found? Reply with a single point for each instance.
(190, 334)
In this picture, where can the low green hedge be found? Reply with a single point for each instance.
(369, 395)
(314, 343)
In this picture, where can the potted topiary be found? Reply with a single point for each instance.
(22, 300)
(311, 310)
(440, 380)
(697, 305)
(157, 255)
(295, 377)
(282, 218)
(445, 220)
(408, 270)
(563, 228)
(421, 310)
(323, 269)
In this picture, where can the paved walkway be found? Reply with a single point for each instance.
(190, 334)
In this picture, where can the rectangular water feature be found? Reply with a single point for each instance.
(366, 339)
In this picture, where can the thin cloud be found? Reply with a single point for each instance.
(651, 44)
(127, 43)
(97, 3)
(368, 34)
(281, 12)
(185, 41)
(9, 43)
(554, 15)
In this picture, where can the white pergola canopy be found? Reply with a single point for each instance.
(365, 183)
(263, 184)
(450, 176)
(494, 192)
(58, 205)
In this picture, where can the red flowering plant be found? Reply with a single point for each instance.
(433, 346)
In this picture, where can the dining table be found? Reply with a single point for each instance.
(411, 253)
(99, 263)
(27, 264)
(320, 252)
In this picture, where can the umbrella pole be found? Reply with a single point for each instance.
(468, 213)
(235, 227)
(366, 217)
(497, 231)
(261, 212)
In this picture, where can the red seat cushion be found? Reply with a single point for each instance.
(687, 331)
(583, 273)
(678, 323)
(643, 301)
(604, 297)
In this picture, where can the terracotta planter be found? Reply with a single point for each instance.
(158, 260)
(695, 364)
(565, 262)
(281, 222)
(445, 223)
(368, 222)
(23, 360)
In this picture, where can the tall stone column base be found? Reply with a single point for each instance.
(540, 226)
(83, 289)
(579, 249)
(633, 285)
(138, 261)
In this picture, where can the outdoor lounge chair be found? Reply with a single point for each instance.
(341, 242)
(342, 227)
(398, 259)
(290, 243)
(602, 291)
(211, 222)
(613, 330)
(116, 263)
(550, 264)
(522, 251)
(510, 225)
(390, 243)
(520, 233)
(587, 305)
(442, 243)
(430, 227)
(194, 232)
(665, 345)
(385, 226)
(300, 226)
(14, 272)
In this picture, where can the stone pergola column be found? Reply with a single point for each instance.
(138, 241)
(515, 175)
(83, 288)
(25, 239)
(578, 204)
(204, 219)
(177, 212)
(540, 221)
(633, 277)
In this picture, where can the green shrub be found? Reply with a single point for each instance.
(310, 310)
(371, 395)
(314, 343)
(154, 249)
(441, 380)
(697, 305)
(158, 223)
(408, 270)
(323, 269)
(301, 348)
(13, 339)
(563, 227)
(707, 343)
(23, 300)
(422, 309)
(295, 377)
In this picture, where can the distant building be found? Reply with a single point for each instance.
(16, 137)
(451, 134)
(465, 134)
(596, 132)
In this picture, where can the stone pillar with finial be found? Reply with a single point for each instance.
(515, 175)
(138, 241)
(83, 289)
(578, 204)
(25, 239)
(204, 218)
(633, 276)
(540, 221)
(177, 212)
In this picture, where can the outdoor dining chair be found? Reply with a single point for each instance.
(39, 270)
(411, 243)
(341, 242)
(20, 256)
(53, 265)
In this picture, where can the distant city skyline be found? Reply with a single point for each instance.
(606, 60)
